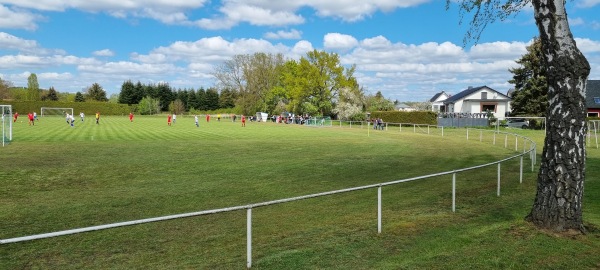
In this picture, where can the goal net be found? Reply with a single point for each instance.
(51, 111)
(319, 121)
(7, 123)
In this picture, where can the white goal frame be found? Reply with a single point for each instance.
(7, 120)
(54, 108)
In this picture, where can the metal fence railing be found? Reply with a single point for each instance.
(529, 148)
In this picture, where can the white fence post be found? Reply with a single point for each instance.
(379, 209)
(249, 238)
(454, 192)
(521, 171)
(467, 134)
(516, 143)
(498, 179)
(494, 138)
(481, 135)
(505, 140)
(442, 131)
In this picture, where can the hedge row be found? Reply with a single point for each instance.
(418, 117)
(89, 108)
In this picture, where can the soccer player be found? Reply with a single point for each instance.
(15, 117)
(174, 118)
(169, 119)
(30, 116)
(196, 120)
(243, 120)
(82, 116)
(97, 118)
(218, 117)
(207, 118)
(35, 116)
(131, 117)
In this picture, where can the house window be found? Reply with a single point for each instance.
(488, 107)
(483, 95)
(597, 100)
(593, 114)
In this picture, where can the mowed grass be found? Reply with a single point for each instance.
(54, 177)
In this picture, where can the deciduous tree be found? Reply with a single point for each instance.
(558, 202)
(5, 89)
(33, 87)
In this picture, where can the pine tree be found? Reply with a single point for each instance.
(79, 97)
(531, 87)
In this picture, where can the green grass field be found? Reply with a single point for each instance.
(54, 177)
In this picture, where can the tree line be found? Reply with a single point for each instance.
(316, 84)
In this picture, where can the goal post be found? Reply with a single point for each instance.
(7, 123)
(52, 111)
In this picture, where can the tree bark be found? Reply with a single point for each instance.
(558, 202)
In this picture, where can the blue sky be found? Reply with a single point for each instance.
(407, 49)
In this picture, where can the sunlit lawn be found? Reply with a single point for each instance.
(54, 177)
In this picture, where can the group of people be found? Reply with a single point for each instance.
(171, 118)
(378, 124)
(32, 117)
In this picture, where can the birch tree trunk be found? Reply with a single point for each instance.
(558, 202)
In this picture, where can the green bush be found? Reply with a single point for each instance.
(417, 117)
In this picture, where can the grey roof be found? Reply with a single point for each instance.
(592, 91)
(436, 96)
(469, 91)
(402, 106)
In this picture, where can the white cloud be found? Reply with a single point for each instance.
(105, 5)
(18, 19)
(300, 49)
(588, 3)
(576, 21)
(40, 61)
(105, 52)
(129, 68)
(13, 43)
(256, 15)
(499, 50)
(339, 41)
(213, 49)
(378, 42)
(292, 34)
(232, 12)
(354, 10)
(588, 46)
(54, 76)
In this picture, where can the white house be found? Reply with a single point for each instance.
(437, 102)
(480, 99)
(404, 107)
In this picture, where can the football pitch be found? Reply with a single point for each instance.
(56, 177)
